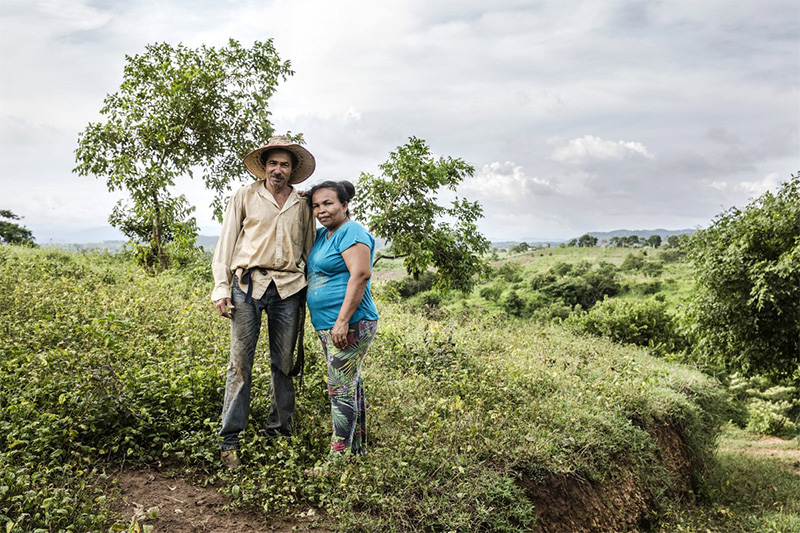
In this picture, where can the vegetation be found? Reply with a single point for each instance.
(178, 110)
(558, 366)
(745, 314)
(400, 206)
(119, 367)
(753, 488)
(11, 233)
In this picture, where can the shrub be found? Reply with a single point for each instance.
(632, 262)
(408, 286)
(561, 269)
(771, 407)
(646, 288)
(584, 290)
(510, 271)
(652, 268)
(492, 292)
(644, 323)
(542, 279)
(428, 298)
(514, 305)
(672, 255)
(745, 311)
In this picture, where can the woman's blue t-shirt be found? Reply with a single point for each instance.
(328, 276)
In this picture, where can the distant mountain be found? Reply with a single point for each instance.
(641, 233)
(208, 242)
(498, 245)
(603, 235)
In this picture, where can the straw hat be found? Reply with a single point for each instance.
(300, 172)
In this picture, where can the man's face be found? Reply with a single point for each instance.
(278, 168)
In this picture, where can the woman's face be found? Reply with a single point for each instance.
(330, 212)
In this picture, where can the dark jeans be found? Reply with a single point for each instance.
(282, 326)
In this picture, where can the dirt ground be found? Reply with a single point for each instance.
(774, 448)
(177, 506)
(566, 503)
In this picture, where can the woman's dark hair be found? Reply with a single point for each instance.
(345, 191)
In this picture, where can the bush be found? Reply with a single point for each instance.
(408, 286)
(771, 407)
(745, 312)
(644, 323)
(585, 288)
(514, 305)
(510, 271)
(632, 262)
(653, 269)
(671, 255)
(428, 298)
(646, 288)
(492, 292)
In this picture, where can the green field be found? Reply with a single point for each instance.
(477, 416)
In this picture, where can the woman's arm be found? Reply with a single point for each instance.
(358, 263)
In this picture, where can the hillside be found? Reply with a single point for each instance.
(476, 424)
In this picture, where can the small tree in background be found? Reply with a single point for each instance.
(11, 233)
(179, 109)
(400, 206)
(520, 248)
(745, 314)
(587, 241)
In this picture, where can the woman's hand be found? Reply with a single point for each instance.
(339, 334)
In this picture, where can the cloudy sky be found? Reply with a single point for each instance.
(577, 115)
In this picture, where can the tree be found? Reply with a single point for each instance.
(654, 241)
(400, 206)
(11, 233)
(520, 248)
(177, 111)
(587, 241)
(746, 309)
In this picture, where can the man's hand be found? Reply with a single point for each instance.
(222, 305)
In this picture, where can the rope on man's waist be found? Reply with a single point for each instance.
(297, 369)
(247, 278)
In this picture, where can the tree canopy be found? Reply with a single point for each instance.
(11, 233)
(400, 206)
(746, 309)
(178, 111)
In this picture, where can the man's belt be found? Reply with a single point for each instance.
(247, 278)
(297, 369)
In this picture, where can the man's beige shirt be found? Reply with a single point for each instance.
(258, 234)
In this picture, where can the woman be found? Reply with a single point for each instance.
(342, 310)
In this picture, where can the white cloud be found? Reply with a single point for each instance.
(755, 188)
(507, 184)
(588, 147)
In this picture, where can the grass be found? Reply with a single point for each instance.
(104, 366)
(747, 492)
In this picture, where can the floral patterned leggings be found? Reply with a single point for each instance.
(346, 388)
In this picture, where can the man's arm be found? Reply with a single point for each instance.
(310, 233)
(223, 254)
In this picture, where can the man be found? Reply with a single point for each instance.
(267, 232)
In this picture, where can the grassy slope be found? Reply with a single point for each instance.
(103, 364)
(754, 487)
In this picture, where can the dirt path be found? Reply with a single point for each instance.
(172, 505)
(783, 451)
